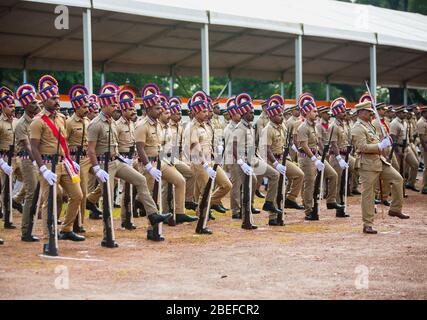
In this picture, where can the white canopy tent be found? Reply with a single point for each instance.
(315, 41)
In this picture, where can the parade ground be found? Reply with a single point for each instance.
(327, 259)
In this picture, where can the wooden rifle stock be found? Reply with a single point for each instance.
(246, 201)
(316, 192)
(8, 216)
(280, 198)
(204, 204)
(157, 228)
(51, 248)
(344, 181)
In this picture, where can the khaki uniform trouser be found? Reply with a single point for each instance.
(85, 166)
(295, 179)
(16, 173)
(368, 180)
(169, 175)
(73, 192)
(309, 169)
(331, 179)
(120, 170)
(222, 183)
(411, 164)
(425, 171)
(92, 183)
(237, 178)
(190, 179)
(29, 175)
(335, 165)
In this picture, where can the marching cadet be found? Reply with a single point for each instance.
(7, 131)
(308, 152)
(272, 143)
(45, 131)
(148, 140)
(126, 145)
(412, 136)
(340, 141)
(422, 133)
(377, 123)
(373, 166)
(228, 146)
(177, 129)
(27, 97)
(77, 126)
(216, 136)
(292, 124)
(323, 131)
(198, 148)
(400, 134)
(217, 120)
(242, 141)
(172, 158)
(120, 167)
(259, 126)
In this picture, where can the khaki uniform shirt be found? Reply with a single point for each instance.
(293, 123)
(125, 134)
(40, 131)
(197, 132)
(341, 135)
(76, 127)
(377, 124)
(307, 133)
(261, 122)
(98, 130)
(422, 130)
(166, 139)
(22, 132)
(275, 137)
(148, 132)
(323, 130)
(366, 142)
(218, 122)
(177, 132)
(398, 129)
(244, 134)
(7, 128)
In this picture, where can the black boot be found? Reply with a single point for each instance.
(94, 216)
(158, 217)
(340, 213)
(30, 238)
(312, 217)
(218, 208)
(70, 236)
(236, 215)
(293, 205)
(334, 205)
(17, 206)
(275, 222)
(190, 205)
(9, 225)
(259, 194)
(181, 218)
(269, 206)
(204, 231)
(128, 225)
(105, 244)
(150, 236)
(223, 208)
(93, 208)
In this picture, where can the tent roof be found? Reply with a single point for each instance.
(247, 39)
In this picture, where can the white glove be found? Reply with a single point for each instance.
(211, 172)
(34, 163)
(220, 149)
(319, 165)
(384, 144)
(294, 147)
(77, 166)
(280, 167)
(5, 167)
(342, 163)
(48, 175)
(128, 161)
(155, 173)
(102, 175)
(245, 168)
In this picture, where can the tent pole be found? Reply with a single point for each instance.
(405, 94)
(328, 90)
(373, 69)
(87, 49)
(205, 57)
(298, 65)
(171, 81)
(25, 72)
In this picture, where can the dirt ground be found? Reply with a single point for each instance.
(328, 259)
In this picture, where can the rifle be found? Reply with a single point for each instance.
(8, 214)
(107, 214)
(33, 210)
(205, 204)
(246, 198)
(79, 218)
(51, 248)
(281, 190)
(157, 228)
(344, 178)
(319, 175)
(128, 193)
